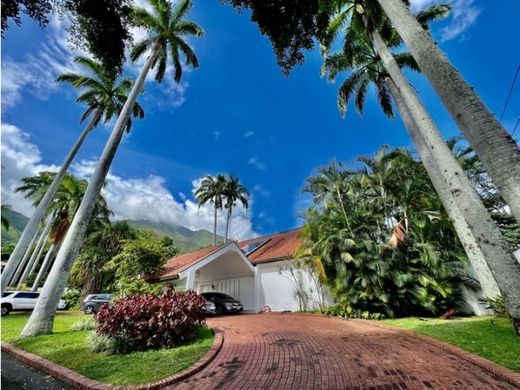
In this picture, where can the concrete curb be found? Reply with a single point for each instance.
(492, 367)
(79, 381)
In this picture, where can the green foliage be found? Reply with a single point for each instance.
(31, 278)
(10, 236)
(496, 305)
(71, 298)
(380, 238)
(340, 310)
(84, 324)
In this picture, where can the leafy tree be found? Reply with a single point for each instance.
(399, 255)
(100, 246)
(137, 260)
(167, 30)
(212, 190)
(35, 9)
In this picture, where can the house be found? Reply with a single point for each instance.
(260, 272)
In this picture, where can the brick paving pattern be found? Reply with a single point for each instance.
(289, 351)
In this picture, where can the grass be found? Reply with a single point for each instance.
(69, 348)
(489, 337)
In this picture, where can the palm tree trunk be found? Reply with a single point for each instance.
(14, 278)
(215, 227)
(42, 317)
(471, 245)
(35, 256)
(228, 221)
(45, 266)
(501, 262)
(497, 150)
(32, 226)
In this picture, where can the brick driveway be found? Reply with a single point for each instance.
(289, 351)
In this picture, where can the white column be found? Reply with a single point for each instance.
(257, 289)
(190, 280)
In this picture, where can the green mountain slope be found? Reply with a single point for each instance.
(185, 239)
(17, 223)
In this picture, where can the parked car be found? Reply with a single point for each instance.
(223, 302)
(93, 302)
(210, 308)
(23, 300)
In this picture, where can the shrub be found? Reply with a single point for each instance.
(84, 324)
(71, 298)
(346, 311)
(141, 322)
(496, 305)
(100, 343)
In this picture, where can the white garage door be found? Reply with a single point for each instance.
(238, 288)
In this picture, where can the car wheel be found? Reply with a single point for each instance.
(88, 310)
(6, 309)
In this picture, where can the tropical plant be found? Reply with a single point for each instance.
(104, 97)
(211, 190)
(142, 322)
(233, 192)
(400, 255)
(167, 28)
(101, 245)
(464, 205)
(5, 221)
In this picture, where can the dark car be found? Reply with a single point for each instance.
(93, 302)
(223, 302)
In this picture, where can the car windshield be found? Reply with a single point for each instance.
(222, 296)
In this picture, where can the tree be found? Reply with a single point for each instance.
(494, 146)
(233, 192)
(211, 190)
(167, 29)
(104, 97)
(430, 143)
(88, 272)
(401, 257)
(61, 211)
(100, 27)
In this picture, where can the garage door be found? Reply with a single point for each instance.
(239, 288)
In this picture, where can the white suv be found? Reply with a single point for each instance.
(22, 300)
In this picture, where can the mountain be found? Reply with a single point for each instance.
(17, 222)
(184, 239)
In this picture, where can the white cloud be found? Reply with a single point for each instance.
(138, 198)
(248, 134)
(256, 163)
(261, 191)
(462, 16)
(216, 135)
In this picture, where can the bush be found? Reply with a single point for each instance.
(100, 343)
(71, 298)
(141, 322)
(346, 311)
(496, 305)
(84, 324)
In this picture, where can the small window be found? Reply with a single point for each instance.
(27, 295)
(6, 294)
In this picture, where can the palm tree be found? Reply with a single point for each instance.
(444, 170)
(104, 97)
(167, 29)
(496, 149)
(61, 211)
(5, 221)
(233, 192)
(211, 190)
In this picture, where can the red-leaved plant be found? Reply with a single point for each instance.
(141, 322)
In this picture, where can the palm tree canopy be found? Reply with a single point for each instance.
(360, 59)
(101, 90)
(234, 191)
(65, 203)
(211, 190)
(167, 31)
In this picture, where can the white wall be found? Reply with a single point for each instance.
(277, 287)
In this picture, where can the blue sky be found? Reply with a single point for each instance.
(236, 113)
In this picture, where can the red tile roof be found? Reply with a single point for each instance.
(275, 247)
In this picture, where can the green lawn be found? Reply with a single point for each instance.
(69, 348)
(489, 337)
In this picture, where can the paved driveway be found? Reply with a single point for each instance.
(289, 351)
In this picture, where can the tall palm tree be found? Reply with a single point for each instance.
(167, 28)
(61, 210)
(233, 192)
(104, 96)
(500, 261)
(211, 190)
(496, 149)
